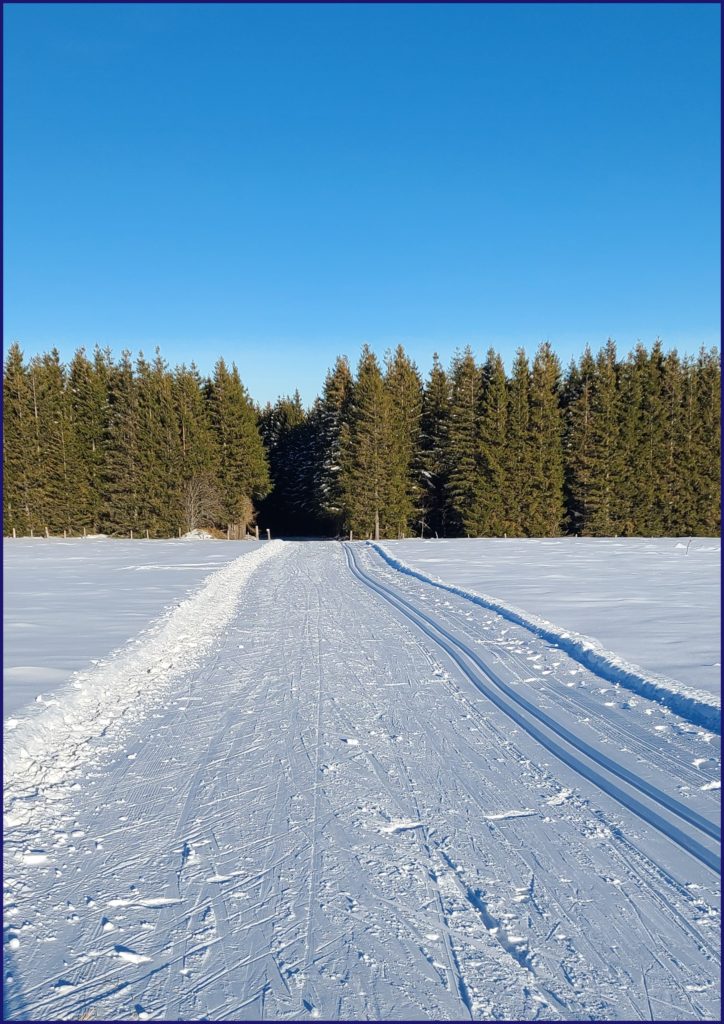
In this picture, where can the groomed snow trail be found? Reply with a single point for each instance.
(326, 816)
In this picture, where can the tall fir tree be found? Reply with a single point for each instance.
(331, 451)
(519, 459)
(366, 478)
(491, 516)
(433, 451)
(19, 497)
(244, 470)
(464, 481)
(546, 445)
(123, 482)
(404, 393)
(88, 383)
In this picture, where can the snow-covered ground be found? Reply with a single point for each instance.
(68, 602)
(323, 788)
(653, 602)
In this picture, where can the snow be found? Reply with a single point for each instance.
(68, 602)
(509, 837)
(647, 604)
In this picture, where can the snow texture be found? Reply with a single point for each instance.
(359, 797)
(584, 589)
(70, 602)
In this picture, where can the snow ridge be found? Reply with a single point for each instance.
(47, 745)
(696, 706)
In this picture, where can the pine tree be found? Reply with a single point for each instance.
(404, 396)
(88, 400)
(366, 476)
(199, 449)
(546, 442)
(159, 452)
(19, 498)
(464, 480)
(519, 460)
(331, 453)
(433, 455)
(491, 517)
(706, 518)
(244, 471)
(602, 518)
(123, 480)
(53, 441)
(577, 402)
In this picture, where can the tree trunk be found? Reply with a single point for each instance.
(377, 524)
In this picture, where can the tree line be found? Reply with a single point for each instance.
(609, 447)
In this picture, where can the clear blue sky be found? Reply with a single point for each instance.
(279, 184)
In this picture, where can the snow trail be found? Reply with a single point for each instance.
(697, 706)
(324, 817)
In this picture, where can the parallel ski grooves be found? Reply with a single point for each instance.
(658, 816)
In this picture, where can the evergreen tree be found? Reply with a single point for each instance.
(706, 511)
(331, 453)
(123, 481)
(366, 477)
(159, 452)
(244, 471)
(53, 442)
(464, 480)
(18, 444)
(88, 400)
(404, 398)
(433, 454)
(199, 449)
(519, 462)
(546, 444)
(491, 516)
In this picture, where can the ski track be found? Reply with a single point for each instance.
(326, 818)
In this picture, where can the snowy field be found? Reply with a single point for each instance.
(68, 602)
(655, 603)
(318, 786)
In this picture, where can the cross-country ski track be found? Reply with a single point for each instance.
(357, 797)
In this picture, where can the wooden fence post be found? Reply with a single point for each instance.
(47, 532)
(131, 534)
(268, 533)
(31, 532)
(350, 535)
(84, 531)
(65, 535)
(14, 535)
(256, 531)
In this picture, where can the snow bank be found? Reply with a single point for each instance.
(68, 602)
(45, 748)
(695, 705)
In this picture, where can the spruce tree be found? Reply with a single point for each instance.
(491, 516)
(519, 460)
(331, 453)
(546, 443)
(366, 479)
(19, 498)
(123, 481)
(464, 479)
(88, 399)
(244, 471)
(433, 455)
(404, 393)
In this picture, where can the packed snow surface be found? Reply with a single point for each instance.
(323, 788)
(655, 603)
(68, 602)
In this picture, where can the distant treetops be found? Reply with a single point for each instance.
(610, 447)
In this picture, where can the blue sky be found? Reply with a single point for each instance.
(279, 184)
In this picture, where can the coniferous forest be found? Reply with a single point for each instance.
(609, 446)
